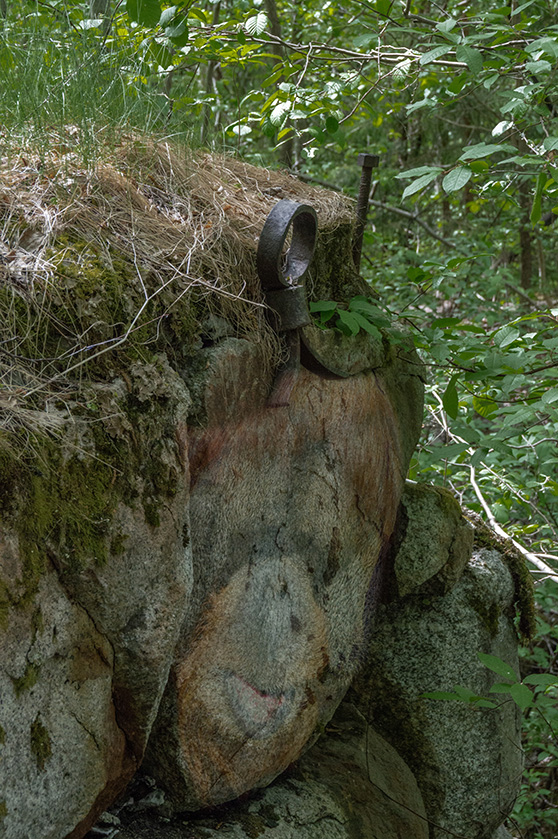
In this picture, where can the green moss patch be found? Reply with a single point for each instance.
(28, 680)
(40, 743)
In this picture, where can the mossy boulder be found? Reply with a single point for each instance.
(191, 573)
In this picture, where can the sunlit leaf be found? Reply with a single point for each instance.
(256, 24)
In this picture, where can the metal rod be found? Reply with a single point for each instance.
(367, 162)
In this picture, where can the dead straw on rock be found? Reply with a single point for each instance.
(187, 222)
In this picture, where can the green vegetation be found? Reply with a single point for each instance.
(461, 104)
(40, 743)
(28, 679)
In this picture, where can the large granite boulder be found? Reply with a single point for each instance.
(291, 510)
(166, 532)
(94, 595)
(449, 769)
(192, 574)
(351, 784)
(458, 601)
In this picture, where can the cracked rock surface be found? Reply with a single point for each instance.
(350, 785)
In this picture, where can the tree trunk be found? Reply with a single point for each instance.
(525, 236)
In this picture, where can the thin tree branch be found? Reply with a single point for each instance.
(380, 204)
(412, 217)
(532, 558)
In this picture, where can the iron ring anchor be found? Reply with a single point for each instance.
(283, 281)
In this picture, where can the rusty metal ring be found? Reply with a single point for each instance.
(276, 272)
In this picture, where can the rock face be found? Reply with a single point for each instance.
(451, 769)
(291, 508)
(351, 784)
(191, 574)
(467, 761)
(86, 650)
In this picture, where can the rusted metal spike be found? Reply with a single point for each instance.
(367, 162)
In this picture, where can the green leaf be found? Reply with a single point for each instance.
(546, 45)
(447, 321)
(550, 396)
(501, 687)
(420, 170)
(521, 695)
(446, 25)
(419, 184)
(550, 143)
(541, 679)
(91, 23)
(501, 128)
(458, 83)
(332, 125)
(483, 150)
(167, 15)
(432, 55)
(322, 306)
(256, 24)
(365, 324)
(506, 336)
(383, 7)
(484, 406)
(146, 12)
(466, 694)
(523, 7)
(457, 178)
(278, 112)
(349, 321)
(471, 57)
(198, 14)
(369, 310)
(498, 666)
(450, 399)
(159, 54)
(178, 34)
(538, 66)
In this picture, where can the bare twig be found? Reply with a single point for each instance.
(532, 558)
(388, 207)
(413, 217)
